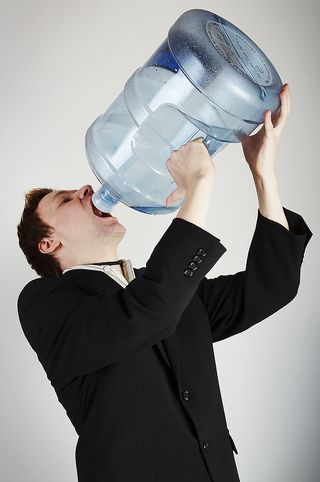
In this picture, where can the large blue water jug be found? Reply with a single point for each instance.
(208, 79)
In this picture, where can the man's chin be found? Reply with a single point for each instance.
(116, 224)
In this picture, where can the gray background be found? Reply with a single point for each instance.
(62, 64)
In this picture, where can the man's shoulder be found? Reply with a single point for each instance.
(73, 281)
(37, 286)
(42, 283)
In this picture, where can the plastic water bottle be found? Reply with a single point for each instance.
(208, 79)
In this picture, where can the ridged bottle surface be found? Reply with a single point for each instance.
(207, 78)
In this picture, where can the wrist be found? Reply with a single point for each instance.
(265, 178)
(202, 179)
(270, 205)
(266, 187)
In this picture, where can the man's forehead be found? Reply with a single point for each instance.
(51, 196)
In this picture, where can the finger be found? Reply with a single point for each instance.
(288, 97)
(284, 102)
(280, 119)
(169, 200)
(268, 123)
(275, 117)
(173, 197)
(284, 108)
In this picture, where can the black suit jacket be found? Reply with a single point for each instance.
(134, 367)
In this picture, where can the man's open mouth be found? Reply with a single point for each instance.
(99, 213)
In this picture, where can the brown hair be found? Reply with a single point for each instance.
(31, 230)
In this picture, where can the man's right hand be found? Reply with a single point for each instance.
(188, 165)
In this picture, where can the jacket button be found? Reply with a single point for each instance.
(202, 252)
(193, 266)
(205, 445)
(197, 259)
(188, 272)
(186, 394)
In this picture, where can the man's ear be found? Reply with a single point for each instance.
(48, 245)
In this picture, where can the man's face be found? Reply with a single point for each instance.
(77, 224)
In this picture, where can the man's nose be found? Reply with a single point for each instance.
(85, 191)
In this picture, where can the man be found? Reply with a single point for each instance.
(130, 354)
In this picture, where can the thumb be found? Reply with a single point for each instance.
(198, 139)
(173, 197)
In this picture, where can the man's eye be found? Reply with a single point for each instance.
(65, 200)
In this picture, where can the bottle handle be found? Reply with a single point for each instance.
(213, 146)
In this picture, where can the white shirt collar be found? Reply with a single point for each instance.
(107, 269)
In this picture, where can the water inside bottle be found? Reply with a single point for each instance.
(157, 112)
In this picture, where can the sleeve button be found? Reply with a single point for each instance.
(202, 252)
(193, 266)
(188, 272)
(197, 259)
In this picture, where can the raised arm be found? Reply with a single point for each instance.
(271, 279)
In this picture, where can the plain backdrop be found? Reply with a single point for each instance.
(62, 65)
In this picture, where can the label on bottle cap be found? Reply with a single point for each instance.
(239, 53)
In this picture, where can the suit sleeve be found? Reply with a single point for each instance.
(75, 332)
(271, 279)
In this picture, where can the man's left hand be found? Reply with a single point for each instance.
(260, 149)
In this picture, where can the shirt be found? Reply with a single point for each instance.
(108, 270)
